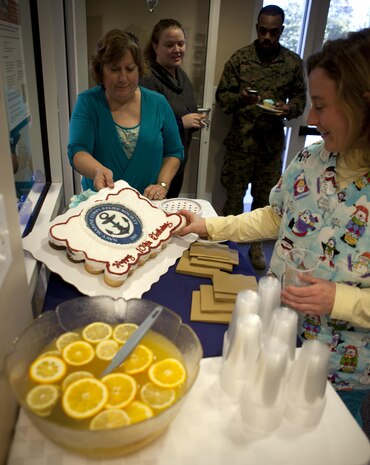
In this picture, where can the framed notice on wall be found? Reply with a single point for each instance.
(12, 64)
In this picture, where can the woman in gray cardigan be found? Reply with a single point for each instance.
(164, 54)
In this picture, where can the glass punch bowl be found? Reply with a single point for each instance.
(75, 314)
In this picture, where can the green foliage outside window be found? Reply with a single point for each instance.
(343, 16)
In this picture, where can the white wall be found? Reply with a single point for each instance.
(15, 305)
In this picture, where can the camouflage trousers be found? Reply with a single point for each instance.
(261, 170)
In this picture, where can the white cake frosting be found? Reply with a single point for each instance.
(114, 231)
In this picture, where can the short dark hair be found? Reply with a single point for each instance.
(110, 49)
(163, 24)
(272, 10)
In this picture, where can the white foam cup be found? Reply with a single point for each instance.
(306, 390)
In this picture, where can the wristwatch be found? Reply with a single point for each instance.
(163, 184)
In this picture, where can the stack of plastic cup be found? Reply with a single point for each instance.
(306, 392)
(284, 324)
(247, 302)
(243, 351)
(263, 396)
(269, 289)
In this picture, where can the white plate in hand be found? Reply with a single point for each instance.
(174, 205)
(270, 110)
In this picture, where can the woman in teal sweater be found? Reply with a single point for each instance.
(119, 130)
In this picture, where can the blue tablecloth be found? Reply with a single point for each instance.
(173, 290)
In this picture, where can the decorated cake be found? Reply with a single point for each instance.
(114, 231)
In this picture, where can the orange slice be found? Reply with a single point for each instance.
(138, 411)
(84, 398)
(47, 370)
(78, 353)
(167, 373)
(121, 388)
(139, 360)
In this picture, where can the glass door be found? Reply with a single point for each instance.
(308, 25)
(137, 18)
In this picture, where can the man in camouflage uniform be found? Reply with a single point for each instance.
(255, 142)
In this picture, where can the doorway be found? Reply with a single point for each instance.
(194, 17)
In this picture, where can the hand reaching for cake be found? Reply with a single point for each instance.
(194, 224)
(103, 178)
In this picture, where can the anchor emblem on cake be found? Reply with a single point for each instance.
(120, 229)
(114, 223)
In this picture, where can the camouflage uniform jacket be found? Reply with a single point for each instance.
(282, 79)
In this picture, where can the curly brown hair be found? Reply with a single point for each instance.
(110, 48)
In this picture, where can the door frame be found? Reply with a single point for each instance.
(209, 96)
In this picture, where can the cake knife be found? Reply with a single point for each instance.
(133, 340)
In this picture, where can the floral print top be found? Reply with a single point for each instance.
(331, 222)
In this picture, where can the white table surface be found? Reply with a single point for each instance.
(209, 431)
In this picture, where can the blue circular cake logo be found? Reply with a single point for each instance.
(114, 223)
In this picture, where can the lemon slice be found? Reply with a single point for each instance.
(108, 419)
(106, 350)
(139, 360)
(123, 331)
(57, 353)
(138, 411)
(167, 373)
(96, 332)
(84, 398)
(44, 412)
(48, 369)
(74, 376)
(78, 353)
(41, 398)
(121, 388)
(66, 338)
(157, 397)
